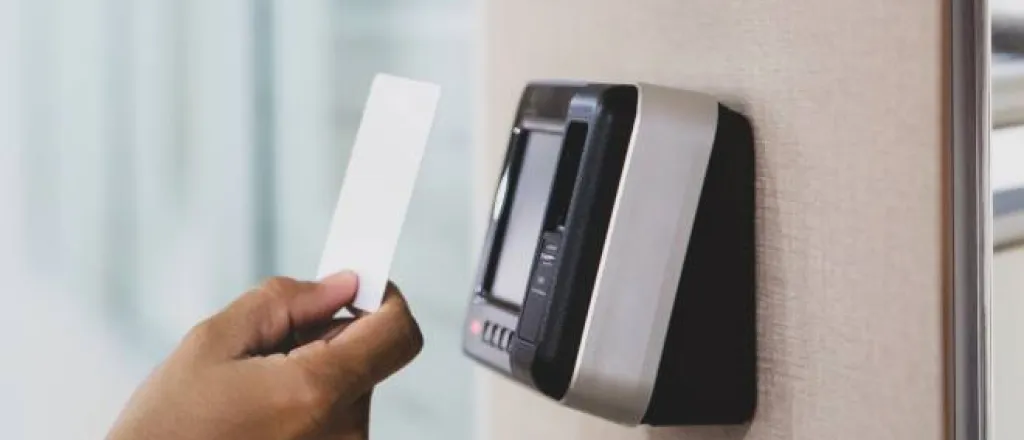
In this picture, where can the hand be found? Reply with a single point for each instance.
(274, 365)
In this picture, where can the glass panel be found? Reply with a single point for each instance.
(158, 158)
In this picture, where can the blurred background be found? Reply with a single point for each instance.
(159, 157)
(1006, 304)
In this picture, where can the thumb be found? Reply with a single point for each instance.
(265, 317)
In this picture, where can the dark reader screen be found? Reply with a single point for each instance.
(526, 216)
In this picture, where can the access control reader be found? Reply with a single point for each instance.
(617, 274)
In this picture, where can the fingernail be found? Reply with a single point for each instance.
(343, 283)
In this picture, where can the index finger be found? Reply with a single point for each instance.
(368, 351)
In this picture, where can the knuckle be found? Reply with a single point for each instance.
(272, 315)
(277, 286)
(200, 334)
(412, 326)
(410, 335)
(410, 338)
(414, 338)
(273, 295)
(200, 329)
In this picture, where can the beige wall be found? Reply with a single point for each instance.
(847, 98)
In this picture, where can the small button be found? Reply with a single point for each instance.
(544, 270)
(501, 339)
(494, 336)
(488, 330)
(551, 243)
(543, 276)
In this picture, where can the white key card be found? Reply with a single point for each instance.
(378, 184)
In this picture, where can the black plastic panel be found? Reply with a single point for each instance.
(609, 115)
(594, 122)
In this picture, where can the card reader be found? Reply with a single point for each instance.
(617, 275)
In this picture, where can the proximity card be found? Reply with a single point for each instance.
(378, 184)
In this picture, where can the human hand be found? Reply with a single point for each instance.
(274, 365)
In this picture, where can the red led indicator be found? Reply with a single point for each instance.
(475, 327)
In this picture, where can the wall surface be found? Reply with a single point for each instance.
(847, 97)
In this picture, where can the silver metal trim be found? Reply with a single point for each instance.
(644, 249)
(971, 217)
(545, 125)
